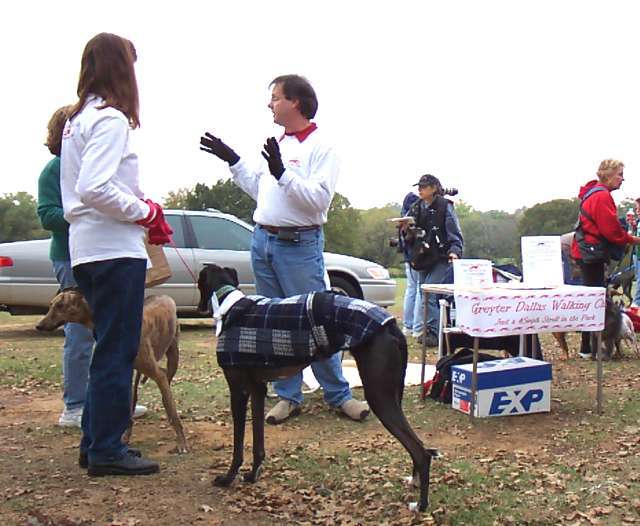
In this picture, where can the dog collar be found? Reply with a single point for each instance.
(222, 292)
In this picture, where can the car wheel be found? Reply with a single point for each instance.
(340, 285)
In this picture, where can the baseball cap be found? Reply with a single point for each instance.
(428, 180)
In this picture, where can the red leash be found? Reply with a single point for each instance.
(193, 276)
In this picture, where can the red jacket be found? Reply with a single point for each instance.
(602, 209)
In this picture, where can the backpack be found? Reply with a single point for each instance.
(440, 388)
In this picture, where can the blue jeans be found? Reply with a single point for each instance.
(114, 290)
(78, 345)
(283, 269)
(412, 311)
(437, 274)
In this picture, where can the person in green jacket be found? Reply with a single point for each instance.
(78, 340)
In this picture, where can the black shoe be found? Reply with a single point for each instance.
(128, 465)
(83, 459)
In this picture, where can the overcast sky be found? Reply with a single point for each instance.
(512, 102)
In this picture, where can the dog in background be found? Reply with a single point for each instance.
(628, 334)
(623, 280)
(612, 334)
(158, 339)
(381, 361)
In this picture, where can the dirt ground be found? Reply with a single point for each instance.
(566, 467)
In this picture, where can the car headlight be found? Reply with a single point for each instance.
(378, 272)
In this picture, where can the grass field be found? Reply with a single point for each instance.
(566, 467)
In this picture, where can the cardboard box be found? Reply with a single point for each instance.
(515, 386)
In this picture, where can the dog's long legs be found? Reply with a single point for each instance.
(258, 394)
(381, 369)
(169, 403)
(238, 389)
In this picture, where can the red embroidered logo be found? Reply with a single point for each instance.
(294, 162)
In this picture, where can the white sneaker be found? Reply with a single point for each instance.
(139, 411)
(73, 417)
(70, 417)
(585, 356)
(418, 334)
(406, 331)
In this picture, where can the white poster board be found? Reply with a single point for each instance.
(472, 273)
(542, 261)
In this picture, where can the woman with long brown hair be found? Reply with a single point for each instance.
(104, 207)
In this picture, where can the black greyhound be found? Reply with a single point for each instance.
(381, 361)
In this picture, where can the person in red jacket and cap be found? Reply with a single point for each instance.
(600, 225)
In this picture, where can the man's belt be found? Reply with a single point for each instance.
(275, 229)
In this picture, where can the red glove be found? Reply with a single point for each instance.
(161, 234)
(159, 230)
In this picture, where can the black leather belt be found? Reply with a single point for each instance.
(275, 229)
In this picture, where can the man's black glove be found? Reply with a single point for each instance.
(271, 153)
(214, 146)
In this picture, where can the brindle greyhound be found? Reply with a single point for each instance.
(382, 362)
(159, 338)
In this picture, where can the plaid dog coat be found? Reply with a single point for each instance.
(263, 332)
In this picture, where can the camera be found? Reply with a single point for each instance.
(394, 242)
(449, 191)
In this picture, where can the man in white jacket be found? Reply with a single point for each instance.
(293, 191)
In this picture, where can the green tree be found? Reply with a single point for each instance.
(625, 205)
(375, 232)
(490, 235)
(19, 219)
(223, 195)
(550, 218)
(341, 233)
(463, 209)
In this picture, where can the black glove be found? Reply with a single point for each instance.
(215, 146)
(271, 153)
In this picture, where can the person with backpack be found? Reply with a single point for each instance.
(636, 255)
(435, 241)
(599, 233)
(411, 313)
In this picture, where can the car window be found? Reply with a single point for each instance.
(175, 221)
(220, 234)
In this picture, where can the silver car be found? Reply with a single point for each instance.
(27, 282)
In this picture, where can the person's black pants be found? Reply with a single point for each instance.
(592, 276)
(114, 290)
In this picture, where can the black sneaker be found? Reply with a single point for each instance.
(129, 465)
(83, 458)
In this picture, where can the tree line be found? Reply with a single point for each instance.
(493, 234)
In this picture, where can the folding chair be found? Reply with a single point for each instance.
(446, 327)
